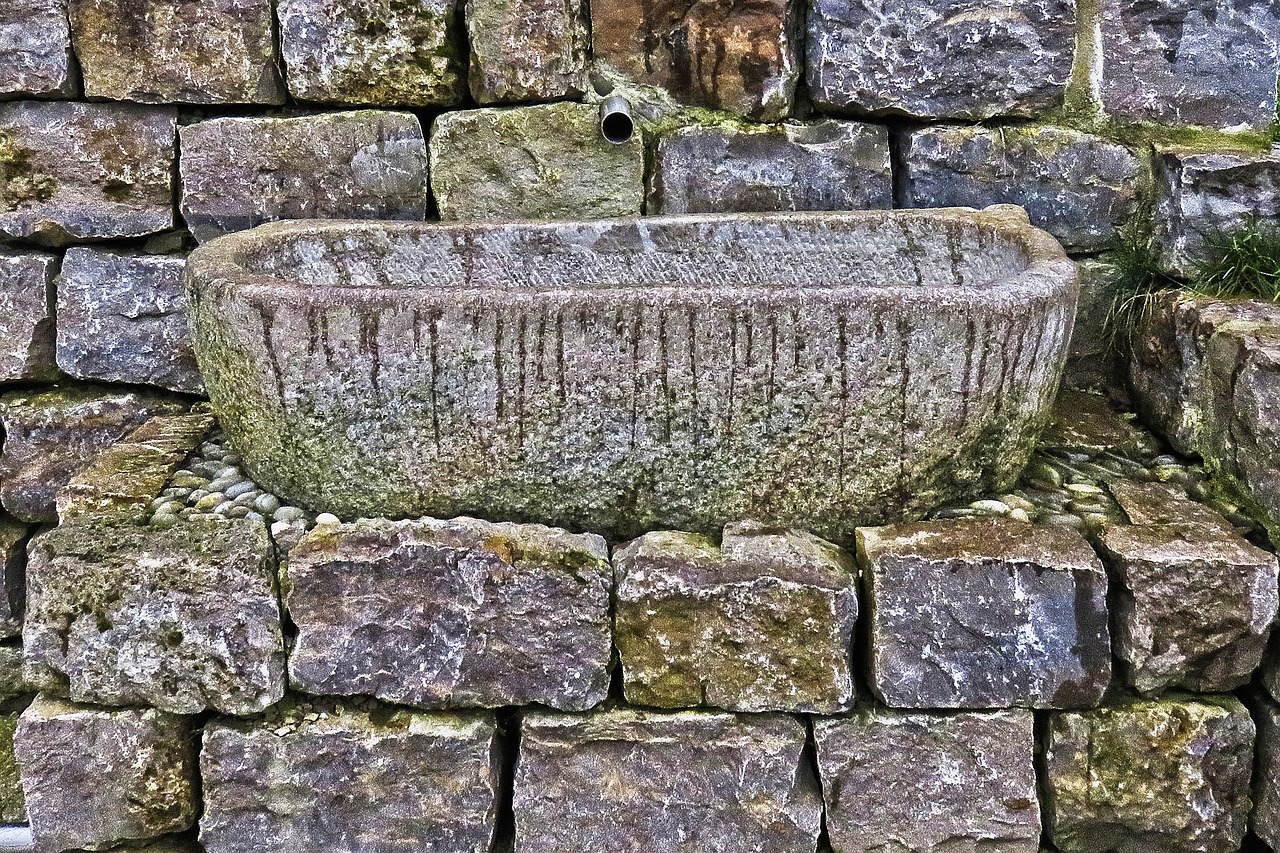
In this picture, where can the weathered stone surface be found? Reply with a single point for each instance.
(1093, 360)
(740, 58)
(458, 613)
(1206, 373)
(985, 613)
(13, 687)
(929, 783)
(1163, 503)
(85, 171)
(1266, 779)
(386, 781)
(1191, 62)
(95, 777)
(182, 619)
(13, 546)
(687, 782)
(171, 51)
(1162, 776)
(952, 59)
(129, 474)
(1078, 187)
(51, 434)
(35, 49)
(541, 162)
(123, 318)
(762, 623)
(1198, 194)
(825, 165)
(26, 318)
(1193, 604)
(378, 52)
(13, 806)
(240, 172)
(638, 374)
(527, 50)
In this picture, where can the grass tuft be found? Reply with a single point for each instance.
(1135, 275)
(1242, 263)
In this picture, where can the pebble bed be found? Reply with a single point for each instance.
(1064, 484)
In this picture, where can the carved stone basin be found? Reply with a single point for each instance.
(826, 370)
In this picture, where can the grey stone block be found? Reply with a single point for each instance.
(541, 162)
(123, 318)
(444, 614)
(985, 613)
(73, 172)
(26, 316)
(35, 50)
(527, 50)
(241, 172)
(929, 783)
(825, 165)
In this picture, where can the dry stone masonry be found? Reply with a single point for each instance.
(937, 618)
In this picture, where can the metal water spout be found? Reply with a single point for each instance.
(616, 124)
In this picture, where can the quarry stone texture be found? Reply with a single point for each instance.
(240, 172)
(624, 376)
(183, 619)
(1078, 187)
(952, 59)
(13, 546)
(1193, 605)
(929, 782)
(26, 317)
(127, 476)
(1191, 62)
(95, 777)
(171, 51)
(985, 613)
(52, 433)
(35, 49)
(824, 165)
(764, 622)
(541, 162)
(527, 50)
(1206, 374)
(383, 53)
(632, 781)
(741, 58)
(376, 781)
(122, 318)
(1266, 782)
(1093, 360)
(1169, 775)
(458, 613)
(73, 172)
(13, 805)
(13, 688)
(1200, 194)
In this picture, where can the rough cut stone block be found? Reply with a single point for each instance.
(85, 171)
(1266, 780)
(378, 52)
(174, 51)
(1191, 62)
(1198, 194)
(13, 806)
(1092, 361)
(386, 781)
(1164, 503)
(123, 318)
(95, 777)
(183, 619)
(826, 165)
(929, 783)
(35, 49)
(13, 687)
(1078, 187)
(1162, 776)
(968, 59)
(762, 623)
(636, 782)
(51, 434)
(458, 613)
(26, 318)
(527, 50)
(985, 613)
(13, 547)
(741, 58)
(241, 172)
(130, 473)
(540, 162)
(1193, 604)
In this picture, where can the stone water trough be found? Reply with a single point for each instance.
(827, 370)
